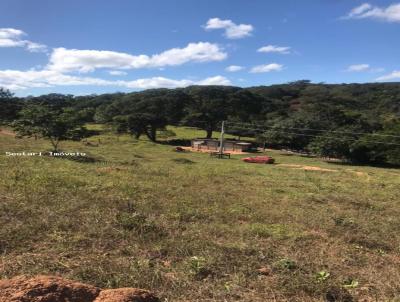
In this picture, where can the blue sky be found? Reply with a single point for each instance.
(97, 46)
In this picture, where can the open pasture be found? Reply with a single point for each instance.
(194, 228)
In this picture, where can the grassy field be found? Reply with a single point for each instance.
(194, 228)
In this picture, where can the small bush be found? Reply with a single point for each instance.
(343, 221)
(198, 267)
(322, 276)
(285, 264)
(139, 223)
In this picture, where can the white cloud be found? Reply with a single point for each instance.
(154, 82)
(266, 68)
(358, 67)
(193, 52)
(18, 80)
(35, 47)
(364, 68)
(68, 60)
(64, 61)
(359, 10)
(11, 37)
(232, 30)
(395, 75)
(117, 73)
(234, 68)
(161, 82)
(274, 48)
(390, 13)
(217, 80)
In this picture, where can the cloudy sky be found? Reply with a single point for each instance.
(96, 46)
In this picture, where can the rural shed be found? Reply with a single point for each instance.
(214, 145)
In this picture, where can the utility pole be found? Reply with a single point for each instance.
(221, 143)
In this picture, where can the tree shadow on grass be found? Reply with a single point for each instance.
(175, 142)
(82, 157)
(183, 161)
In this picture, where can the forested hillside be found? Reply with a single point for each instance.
(354, 122)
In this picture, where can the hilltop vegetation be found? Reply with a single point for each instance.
(355, 122)
(192, 228)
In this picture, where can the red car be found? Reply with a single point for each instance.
(259, 160)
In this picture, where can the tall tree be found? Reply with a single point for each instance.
(208, 106)
(9, 106)
(146, 123)
(47, 122)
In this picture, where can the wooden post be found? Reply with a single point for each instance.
(221, 147)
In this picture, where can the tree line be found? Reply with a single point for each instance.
(355, 122)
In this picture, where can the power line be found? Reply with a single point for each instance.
(244, 125)
(320, 136)
(319, 130)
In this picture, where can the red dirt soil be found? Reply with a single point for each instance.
(6, 132)
(57, 289)
(126, 295)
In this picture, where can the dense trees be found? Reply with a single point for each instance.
(356, 122)
(146, 112)
(340, 121)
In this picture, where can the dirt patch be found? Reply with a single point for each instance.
(126, 295)
(57, 289)
(307, 168)
(361, 174)
(45, 289)
(6, 132)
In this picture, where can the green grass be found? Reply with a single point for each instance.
(195, 228)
